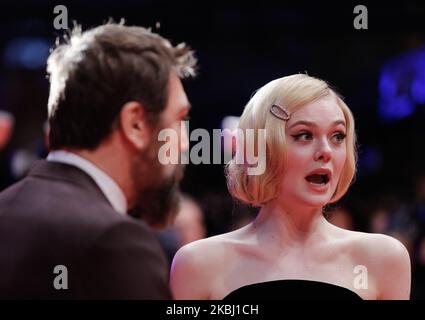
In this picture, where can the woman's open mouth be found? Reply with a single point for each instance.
(319, 179)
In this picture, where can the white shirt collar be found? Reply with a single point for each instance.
(109, 187)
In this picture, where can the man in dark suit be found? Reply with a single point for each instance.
(78, 226)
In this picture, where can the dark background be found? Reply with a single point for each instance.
(240, 47)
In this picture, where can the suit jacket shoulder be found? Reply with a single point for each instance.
(57, 215)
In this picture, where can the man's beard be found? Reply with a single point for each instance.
(156, 197)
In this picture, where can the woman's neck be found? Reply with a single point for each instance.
(285, 226)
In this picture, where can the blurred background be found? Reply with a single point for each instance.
(240, 47)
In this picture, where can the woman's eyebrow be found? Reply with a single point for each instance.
(313, 124)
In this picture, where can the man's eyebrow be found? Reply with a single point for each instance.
(313, 124)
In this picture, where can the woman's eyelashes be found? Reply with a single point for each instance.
(337, 137)
(303, 136)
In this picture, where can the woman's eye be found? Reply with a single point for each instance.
(303, 136)
(339, 137)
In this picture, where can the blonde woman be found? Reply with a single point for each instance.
(290, 251)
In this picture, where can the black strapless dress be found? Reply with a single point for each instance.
(292, 290)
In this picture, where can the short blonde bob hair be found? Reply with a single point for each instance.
(293, 92)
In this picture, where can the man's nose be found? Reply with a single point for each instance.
(184, 139)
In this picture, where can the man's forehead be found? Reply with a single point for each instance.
(177, 96)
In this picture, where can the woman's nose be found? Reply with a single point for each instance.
(324, 152)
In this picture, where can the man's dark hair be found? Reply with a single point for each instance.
(94, 73)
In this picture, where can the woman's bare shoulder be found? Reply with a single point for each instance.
(377, 246)
(196, 264)
(201, 252)
(370, 243)
(386, 259)
(212, 248)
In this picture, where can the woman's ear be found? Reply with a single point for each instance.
(134, 124)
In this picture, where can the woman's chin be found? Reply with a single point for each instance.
(314, 201)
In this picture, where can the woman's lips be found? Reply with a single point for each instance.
(318, 187)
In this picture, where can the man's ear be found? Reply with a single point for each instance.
(134, 124)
